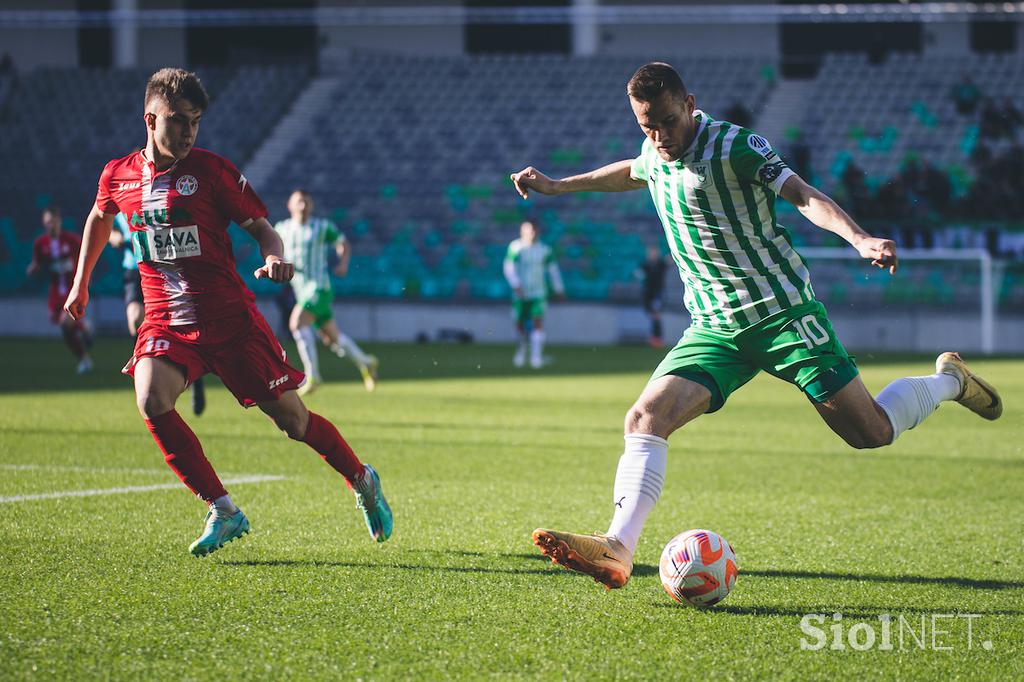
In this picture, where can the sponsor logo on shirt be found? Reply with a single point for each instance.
(122, 186)
(770, 172)
(274, 383)
(166, 243)
(187, 185)
(761, 146)
(160, 216)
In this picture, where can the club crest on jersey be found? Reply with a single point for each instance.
(699, 174)
(187, 185)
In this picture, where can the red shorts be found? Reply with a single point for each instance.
(241, 350)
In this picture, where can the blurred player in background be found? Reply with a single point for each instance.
(528, 263)
(750, 299)
(652, 275)
(199, 315)
(55, 253)
(120, 238)
(306, 241)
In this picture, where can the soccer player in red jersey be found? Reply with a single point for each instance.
(199, 315)
(56, 253)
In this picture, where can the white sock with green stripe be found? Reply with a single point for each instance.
(638, 482)
(908, 401)
(305, 339)
(346, 346)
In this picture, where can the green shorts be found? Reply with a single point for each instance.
(524, 309)
(319, 305)
(798, 345)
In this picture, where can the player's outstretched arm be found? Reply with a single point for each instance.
(615, 177)
(271, 248)
(819, 208)
(344, 252)
(94, 239)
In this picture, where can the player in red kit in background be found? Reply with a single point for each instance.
(55, 252)
(199, 315)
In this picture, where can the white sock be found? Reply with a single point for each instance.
(224, 504)
(908, 401)
(537, 344)
(305, 339)
(638, 482)
(349, 347)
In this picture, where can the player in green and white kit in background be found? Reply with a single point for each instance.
(749, 295)
(527, 263)
(306, 240)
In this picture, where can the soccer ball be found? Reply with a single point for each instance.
(698, 567)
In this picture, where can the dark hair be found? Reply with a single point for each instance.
(532, 223)
(301, 190)
(52, 208)
(652, 79)
(171, 85)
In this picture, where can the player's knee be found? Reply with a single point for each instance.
(293, 425)
(153, 405)
(640, 417)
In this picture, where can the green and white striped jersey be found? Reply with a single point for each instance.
(717, 205)
(306, 247)
(525, 267)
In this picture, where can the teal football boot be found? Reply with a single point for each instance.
(370, 499)
(221, 529)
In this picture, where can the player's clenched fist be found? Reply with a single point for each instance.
(882, 252)
(276, 270)
(76, 301)
(531, 178)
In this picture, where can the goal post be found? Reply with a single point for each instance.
(949, 260)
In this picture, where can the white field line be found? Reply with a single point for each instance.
(99, 470)
(255, 478)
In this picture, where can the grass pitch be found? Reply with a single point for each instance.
(473, 456)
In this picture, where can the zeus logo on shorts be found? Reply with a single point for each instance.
(167, 243)
(277, 382)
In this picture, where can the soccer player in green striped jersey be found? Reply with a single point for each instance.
(529, 263)
(750, 299)
(306, 240)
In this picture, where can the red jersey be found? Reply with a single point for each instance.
(179, 222)
(59, 257)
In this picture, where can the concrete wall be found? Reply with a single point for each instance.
(598, 324)
(34, 48)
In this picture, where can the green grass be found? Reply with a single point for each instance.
(473, 456)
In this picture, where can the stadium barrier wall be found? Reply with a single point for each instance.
(907, 330)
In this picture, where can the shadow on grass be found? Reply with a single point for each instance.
(859, 611)
(972, 583)
(316, 563)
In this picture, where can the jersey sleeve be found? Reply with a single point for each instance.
(104, 200)
(332, 234)
(754, 161)
(640, 170)
(237, 199)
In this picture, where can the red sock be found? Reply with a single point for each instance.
(184, 455)
(325, 439)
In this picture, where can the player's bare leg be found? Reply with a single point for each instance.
(866, 422)
(291, 416)
(76, 337)
(343, 346)
(301, 325)
(158, 384)
(666, 404)
(134, 312)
